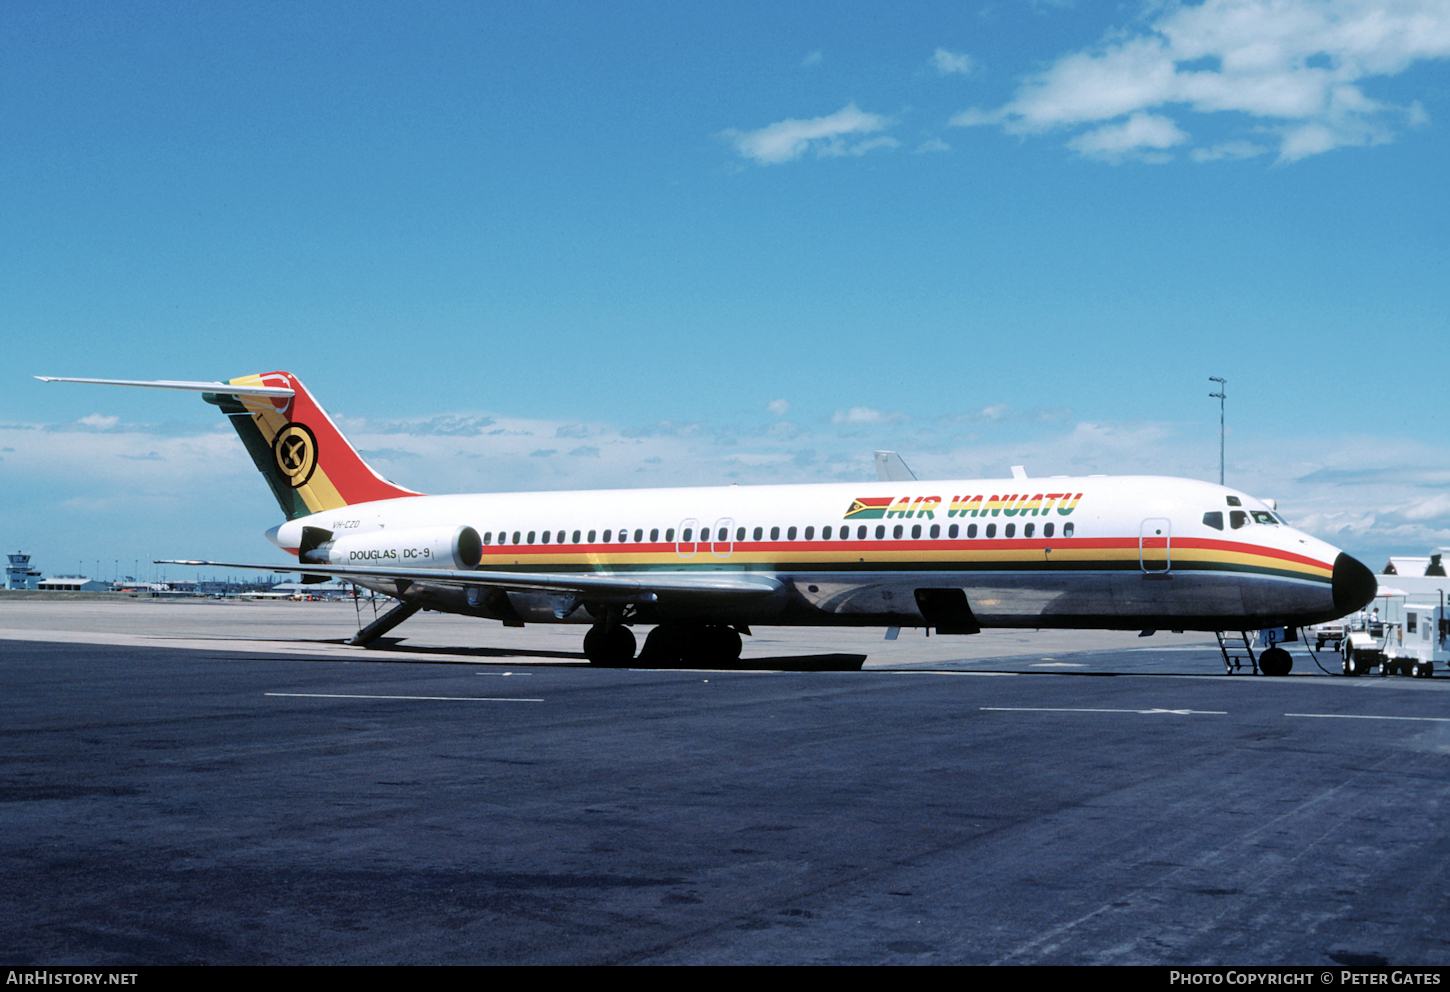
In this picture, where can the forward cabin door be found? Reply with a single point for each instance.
(1155, 538)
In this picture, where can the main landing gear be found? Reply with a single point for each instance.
(609, 646)
(670, 645)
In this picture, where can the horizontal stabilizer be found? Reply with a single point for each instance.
(191, 387)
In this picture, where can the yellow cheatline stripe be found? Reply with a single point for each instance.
(1249, 558)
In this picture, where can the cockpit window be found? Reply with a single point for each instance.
(1237, 518)
(1214, 519)
(1263, 517)
(1234, 501)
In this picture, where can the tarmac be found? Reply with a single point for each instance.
(228, 783)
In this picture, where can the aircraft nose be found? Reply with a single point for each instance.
(1354, 584)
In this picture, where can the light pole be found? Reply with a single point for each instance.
(1220, 396)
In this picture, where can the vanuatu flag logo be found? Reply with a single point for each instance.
(870, 508)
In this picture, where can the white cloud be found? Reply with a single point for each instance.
(1295, 66)
(1143, 136)
(833, 135)
(1228, 150)
(946, 63)
(932, 145)
(858, 415)
(812, 58)
(778, 407)
(100, 422)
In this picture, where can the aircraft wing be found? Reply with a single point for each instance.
(633, 588)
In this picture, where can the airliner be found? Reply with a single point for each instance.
(702, 566)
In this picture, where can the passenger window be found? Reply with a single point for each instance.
(488, 537)
(516, 537)
(826, 533)
(639, 535)
(670, 535)
(576, 537)
(723, 535)
(880, 531)
(896, 532)
(654, 534)
(790, 534)
(739, 533)
(991, 530)
(971, 530)
(608, 532)
(758, 533)
(623, 534)
(1047, 530)
(1011, 531)
(545, 537)
(1237, 518)
(810, 533)
(935, 531)
(1028, 529)
(592, 536)
(1214, 519)
(775, 533)
(952, 532)
(916, 532)
(861, 533)
(685, 538)
(1067, 530)
(531, 537)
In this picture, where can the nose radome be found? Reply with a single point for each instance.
(1354, 584)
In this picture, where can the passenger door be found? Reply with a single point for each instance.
(1155, 537)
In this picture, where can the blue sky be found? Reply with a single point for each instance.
(665, 244)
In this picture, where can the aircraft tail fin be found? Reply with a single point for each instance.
(301, 453)
(890, 468)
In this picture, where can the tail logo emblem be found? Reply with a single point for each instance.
(295, 450)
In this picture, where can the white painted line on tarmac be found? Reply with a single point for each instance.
(1056, 664)
(1076, 709)
(451, 699)
(1362, 716)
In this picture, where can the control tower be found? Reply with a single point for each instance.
(19, 574)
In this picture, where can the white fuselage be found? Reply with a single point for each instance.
(1122, 552)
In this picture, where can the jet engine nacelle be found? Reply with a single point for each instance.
(424, 547)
